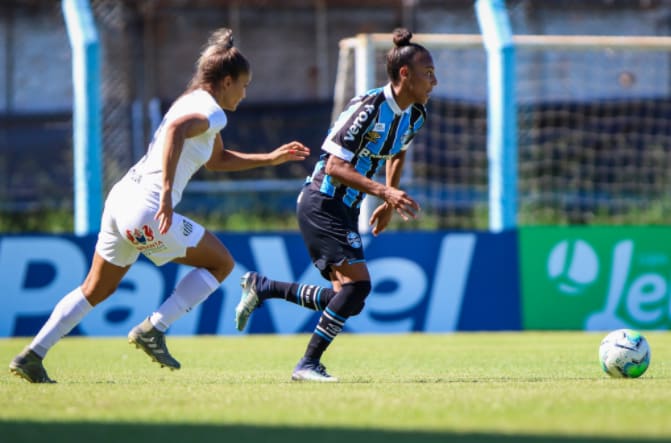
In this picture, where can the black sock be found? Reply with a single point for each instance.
(309, 296)
(345, 303)
(329, 326)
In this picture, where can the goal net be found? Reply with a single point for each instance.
(594, 135)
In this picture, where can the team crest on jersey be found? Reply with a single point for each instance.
(372, 136)
(140, 236)
(354, 239)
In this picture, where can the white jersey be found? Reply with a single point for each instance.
(128, 226)
(148, 171)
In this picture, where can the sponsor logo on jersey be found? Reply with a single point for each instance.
(358, 122)
(379, 127)
(365, 152)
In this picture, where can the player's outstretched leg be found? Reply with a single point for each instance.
(311, 370)
(249, 300)
(257, 288)
(152, 341)
(28, 365)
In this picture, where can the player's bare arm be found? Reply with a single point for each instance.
(344, 172)
(177, 131)
(230, 160)
(394, 168)
(381, 216)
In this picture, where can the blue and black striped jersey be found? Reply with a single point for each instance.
(369, 131)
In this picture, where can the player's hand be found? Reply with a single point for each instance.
(405, 205)
(380, 218)
(293, 151)
(164, 214)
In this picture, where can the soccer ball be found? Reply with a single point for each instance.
(624, 353)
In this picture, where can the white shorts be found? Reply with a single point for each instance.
(128, 228)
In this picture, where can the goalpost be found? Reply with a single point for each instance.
(593, 120)
(361, 62)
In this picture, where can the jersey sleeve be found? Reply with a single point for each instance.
(417, 119)
(202, 102)
(347, 133)
(199, 102)
(218, 120)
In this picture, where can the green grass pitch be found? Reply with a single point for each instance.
(465, 387)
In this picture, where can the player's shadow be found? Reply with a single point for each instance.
(101, 432)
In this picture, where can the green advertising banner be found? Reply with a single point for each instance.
(595, 278)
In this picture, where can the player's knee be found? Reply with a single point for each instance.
(223, 268)
(360, 293)
(350, 299)
(362, 288)
(357, 310)
(98, 295)
(223, 271)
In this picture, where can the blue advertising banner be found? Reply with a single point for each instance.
(422, 281)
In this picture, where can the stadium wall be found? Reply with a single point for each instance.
(535, 278)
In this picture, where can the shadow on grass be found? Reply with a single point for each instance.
(100, 432)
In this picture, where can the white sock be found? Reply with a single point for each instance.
(193, 289)
(67, 314)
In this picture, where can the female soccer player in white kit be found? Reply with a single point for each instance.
(139, 212)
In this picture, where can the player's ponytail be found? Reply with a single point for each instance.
(221, 39)
(218, 59)
(402, 53)
(402, 37)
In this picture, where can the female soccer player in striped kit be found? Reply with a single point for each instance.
(139, 212)
(375, 128)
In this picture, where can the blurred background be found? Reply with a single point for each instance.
(594, 122)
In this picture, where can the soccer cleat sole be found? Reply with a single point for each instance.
(21, 374)
(303, 379)
(154, 359)
(242, 315)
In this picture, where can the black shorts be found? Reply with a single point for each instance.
(330, 230)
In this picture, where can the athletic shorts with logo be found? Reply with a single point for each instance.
(329, 229)
(128, 229)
